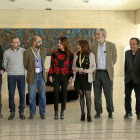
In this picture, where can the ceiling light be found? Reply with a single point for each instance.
(49, 0)
(12, 0)
(86, 1)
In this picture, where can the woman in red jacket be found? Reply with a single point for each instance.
(60, 73)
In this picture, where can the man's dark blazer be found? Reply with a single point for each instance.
(132, 71)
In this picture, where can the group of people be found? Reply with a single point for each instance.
(90, 64)
(15, 61)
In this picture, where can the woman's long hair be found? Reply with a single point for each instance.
(65, 42)
(84, 47)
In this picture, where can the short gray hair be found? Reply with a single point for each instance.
(104, 32)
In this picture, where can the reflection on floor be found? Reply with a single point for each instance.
(71, 128)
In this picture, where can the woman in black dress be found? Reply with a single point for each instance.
(83, 66)
(60, 73)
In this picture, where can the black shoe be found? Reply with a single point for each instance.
(83, 117)
(22, 116)
(98, 115)
(31, 116)
(62, 116)
(42, 116)
(89, 118)
(110, 115)
(1, 116)
(12, 115)
(56, 115)
(128, 115)
(138, 117)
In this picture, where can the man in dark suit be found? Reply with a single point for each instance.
(1, 72)
(106, 56)
(132, 77)
(34, 63)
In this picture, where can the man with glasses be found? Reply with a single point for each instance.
(13, 64)
(34, 63)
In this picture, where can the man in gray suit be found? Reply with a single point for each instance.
(132, 77)
(106, 56)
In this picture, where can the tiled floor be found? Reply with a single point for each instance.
(71, 128)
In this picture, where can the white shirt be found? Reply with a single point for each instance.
(101, 59)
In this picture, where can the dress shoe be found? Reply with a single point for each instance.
(22, 116)
(83, 117)
(89, 118)
(31, 116)
(138, 116)
(62, 116)
(56, 115)
(42, 116)
(98, 115)
(12, 115)
(110, 115)
(1, 116)
(128, 115)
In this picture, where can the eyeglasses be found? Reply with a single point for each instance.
(39, 41)
(16, 42)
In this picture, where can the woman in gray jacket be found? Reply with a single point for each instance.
(83, 67)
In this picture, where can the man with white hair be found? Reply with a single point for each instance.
(106, 56)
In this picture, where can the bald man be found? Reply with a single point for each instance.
(34, 63)
(13, 64)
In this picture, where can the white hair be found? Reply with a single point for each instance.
(104, 32)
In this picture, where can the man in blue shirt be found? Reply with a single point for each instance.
(106, 56)
(34, 63)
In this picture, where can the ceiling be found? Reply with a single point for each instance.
(71, 4)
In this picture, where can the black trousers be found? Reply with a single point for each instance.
(57, 85)
(128, 100)
(102, 80)
(0, 91)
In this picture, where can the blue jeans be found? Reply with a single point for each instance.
(18, 80)
(40, 83)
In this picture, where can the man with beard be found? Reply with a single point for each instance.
(34, 63)
(13, 64)
(106, 56)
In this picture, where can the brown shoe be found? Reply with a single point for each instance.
(31, 116)
(42, 116)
